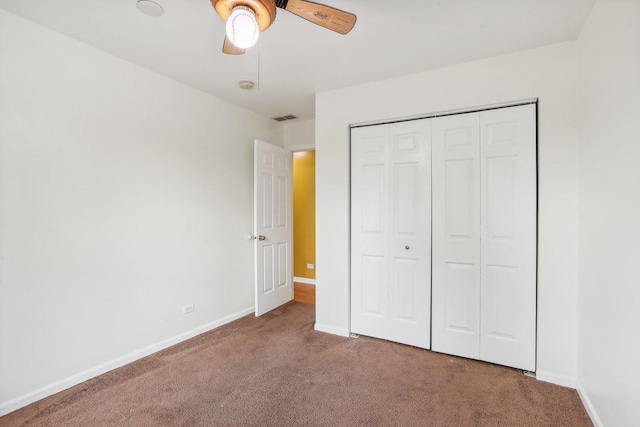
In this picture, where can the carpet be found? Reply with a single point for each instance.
(277, 371)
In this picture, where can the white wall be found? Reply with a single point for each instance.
(609, 213)
(123, 196)
(300, 134)
(547, 73)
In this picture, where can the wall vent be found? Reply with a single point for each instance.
(285, 118)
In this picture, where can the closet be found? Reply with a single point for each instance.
(460, 192)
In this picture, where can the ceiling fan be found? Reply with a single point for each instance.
(245, 19)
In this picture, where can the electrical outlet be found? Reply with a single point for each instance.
(188, 309)
(310, 266)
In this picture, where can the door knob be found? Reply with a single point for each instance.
(407, 247)
(261, 237)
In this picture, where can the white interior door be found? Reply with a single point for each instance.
(456, 235)
(508, 236)
(273, 226)
(391, 216)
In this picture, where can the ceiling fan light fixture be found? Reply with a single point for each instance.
(242, 27)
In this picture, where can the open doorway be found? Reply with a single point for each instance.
(304, 226)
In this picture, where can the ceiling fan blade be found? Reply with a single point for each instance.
(230, 48)
(334, 19)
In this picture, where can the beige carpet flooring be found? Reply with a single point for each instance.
(277, 371)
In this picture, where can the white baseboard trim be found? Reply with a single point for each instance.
(591, 410)
(331, 330)
(563, 380)
(58, 386)
(305, 280)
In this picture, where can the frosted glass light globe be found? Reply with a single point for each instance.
(242, 27)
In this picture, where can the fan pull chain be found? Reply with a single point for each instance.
(258, 66)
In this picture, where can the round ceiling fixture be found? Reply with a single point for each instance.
(149, 7)
(242, 27)
(246, 84)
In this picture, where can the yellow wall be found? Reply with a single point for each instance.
(304, 213)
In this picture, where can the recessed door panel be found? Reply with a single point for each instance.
(460, 137)
(282, 200)
(373, 294)
(500, 193)
(406, 143)
(459, 192)
(267, 201)
(460, 298)
(372, 197)
(403, 293)
(267, 260)
(502, 132)
(500, 302)
(406, 197)
(372, 146)
(283, 270)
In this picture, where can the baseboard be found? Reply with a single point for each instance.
(58, 386)
(572, 382)
(331, 330)
(591, 410)
(305, 280)
(563, 380)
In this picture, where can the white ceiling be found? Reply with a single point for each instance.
(295, 59)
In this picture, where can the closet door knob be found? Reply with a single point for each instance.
(407, 247)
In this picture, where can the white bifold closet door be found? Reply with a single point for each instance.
(391, 232)
(484, 235)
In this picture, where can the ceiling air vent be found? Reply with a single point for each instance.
(285, 118)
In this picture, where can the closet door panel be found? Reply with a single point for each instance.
(410, 233)
(508, 235)
(373, 270)
(456, 235)
(370, 231)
